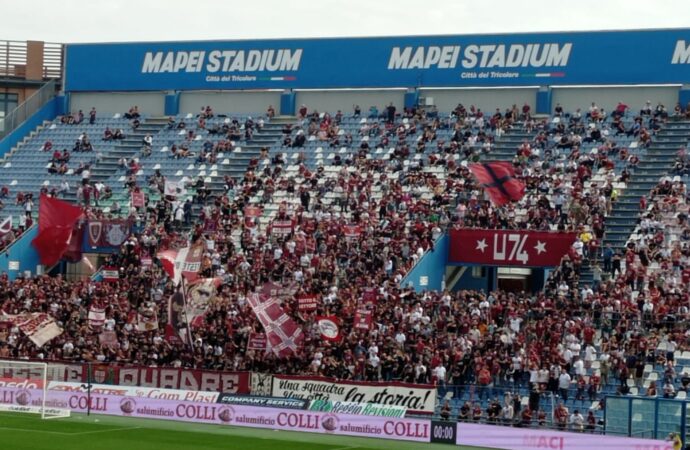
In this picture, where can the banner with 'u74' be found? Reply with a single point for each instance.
(523, 248)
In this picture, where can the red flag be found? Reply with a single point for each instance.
(363, 319)
(138, 199)
(56, 220)
(256, 341)
(284, 335)
(498, 180)
(352, 232)
(73, 253)
(329, 328)
(183, 262)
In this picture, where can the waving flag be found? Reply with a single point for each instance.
(147, 320)
(5, 226)
(56, 220)
(177, 330)
(329, 328)
(184, 262)
(39, 327)
(200, 294)
(284, 335)
(96, 316)
(498, 180)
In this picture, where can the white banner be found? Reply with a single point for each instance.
(96, 317)
(261, 384)
(416, 398)
(136, 391)
(39, 327)
(173, 189)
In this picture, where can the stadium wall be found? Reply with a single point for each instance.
(335, 73)
(429, 273)
(47, 112)
(332, 101)
(150, 103)
(21, 256)
(608, 97)
(256, 102)
(229, 102)
(486, 99)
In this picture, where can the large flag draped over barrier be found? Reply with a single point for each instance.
(284, 335)
(56, 221)
(499, 182)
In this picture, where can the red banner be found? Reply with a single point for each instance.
(281, 227)
(363, 319)
(152, 377)
(307, 303)
(509, 247)
(257, 341)
(138, 199)
(329, 328)
(370, 296)
(352, 232)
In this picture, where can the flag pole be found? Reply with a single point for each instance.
(184, 311)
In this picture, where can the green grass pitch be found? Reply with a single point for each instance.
(79, 432)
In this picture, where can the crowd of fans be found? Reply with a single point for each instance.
(569, 341)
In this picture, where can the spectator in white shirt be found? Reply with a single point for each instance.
(577, 421)
(563, 385)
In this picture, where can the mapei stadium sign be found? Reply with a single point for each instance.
(585, 58)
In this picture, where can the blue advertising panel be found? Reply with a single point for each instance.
(578, 58)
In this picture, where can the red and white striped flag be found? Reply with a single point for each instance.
(96, 316)
(183, 262)
(284, 335)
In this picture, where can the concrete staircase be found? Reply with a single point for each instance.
(107, 166)
(659, 159)
(269, 135)
(506, 146)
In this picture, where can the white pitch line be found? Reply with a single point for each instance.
(106, 431)
(37, 431)
(62, 433)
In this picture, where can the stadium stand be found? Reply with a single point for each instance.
(399, 179)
